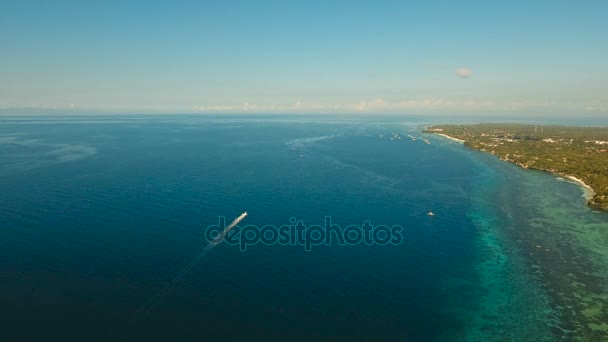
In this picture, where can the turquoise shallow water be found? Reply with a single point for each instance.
(100, 214)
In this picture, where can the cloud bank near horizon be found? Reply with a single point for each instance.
(370, 106)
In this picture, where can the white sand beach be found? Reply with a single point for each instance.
(451, 138)
(589, 193)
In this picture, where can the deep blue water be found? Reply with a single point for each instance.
(99, 215)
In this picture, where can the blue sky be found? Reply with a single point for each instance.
(520, 57)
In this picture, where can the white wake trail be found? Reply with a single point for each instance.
(147, 308)
(207, 248)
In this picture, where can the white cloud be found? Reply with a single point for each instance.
(596, 106)
(297, 105)
(378, 105)
(367, 105)
(464, 72)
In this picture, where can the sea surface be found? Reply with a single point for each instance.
(99, 215)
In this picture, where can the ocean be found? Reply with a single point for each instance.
(99, 216)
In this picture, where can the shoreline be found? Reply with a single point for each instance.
(588, 191)
(451, 138)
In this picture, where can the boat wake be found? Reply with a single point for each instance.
(147, 308)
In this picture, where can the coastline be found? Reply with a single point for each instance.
(451, 138)
(589, 193)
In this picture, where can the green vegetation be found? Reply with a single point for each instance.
(581, 152)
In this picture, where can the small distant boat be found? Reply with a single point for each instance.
(430, 213)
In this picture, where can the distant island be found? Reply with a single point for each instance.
(577, 153)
